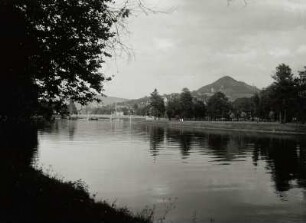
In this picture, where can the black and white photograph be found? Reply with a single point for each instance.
(152, 111)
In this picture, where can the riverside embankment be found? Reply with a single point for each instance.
(260, 127)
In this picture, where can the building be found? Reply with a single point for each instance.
(303, 76)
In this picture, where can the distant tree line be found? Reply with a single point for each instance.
(179, 106)
(284, 101)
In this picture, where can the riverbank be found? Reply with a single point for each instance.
(258, 127)
(29, 194)
(34, 197)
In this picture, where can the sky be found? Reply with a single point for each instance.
(191, 43)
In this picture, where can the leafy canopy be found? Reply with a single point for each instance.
(186, 103)
(55, 49)
(218, 106)
(157, 106)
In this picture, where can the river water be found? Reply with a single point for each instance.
(184, 175)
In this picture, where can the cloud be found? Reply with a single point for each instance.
(202, 40)
(163, 44)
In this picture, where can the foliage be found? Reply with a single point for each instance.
(199, 109)
(108, 109)
(244, 106)
(301, 114)
(186, 104)
(142, 110)
(52, 52)
(218, 106)
(72, 108)
(283, 100)
(173, 108)
(284, 93)
(157, 106)
(263, 103)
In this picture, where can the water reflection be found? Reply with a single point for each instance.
(184, 139)
(285, 157)
(230, 177)
(156, 139)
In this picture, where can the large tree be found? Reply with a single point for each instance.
(284, 93)
(173, 108)
(157, 105)
(186, 104)
(199, 109)
(302, 96)
(244, 105)
(218, 106)
(52, 52)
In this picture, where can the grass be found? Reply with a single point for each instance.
(31, 196)
(234, 126)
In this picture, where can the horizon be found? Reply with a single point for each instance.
(195, 43)
(183, 88)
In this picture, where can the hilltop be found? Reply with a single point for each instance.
(232, 88)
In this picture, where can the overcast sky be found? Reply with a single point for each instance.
(199, 41)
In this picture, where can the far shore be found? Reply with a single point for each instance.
(241, 126)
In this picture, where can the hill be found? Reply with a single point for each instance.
(232, 88)
(105, 101)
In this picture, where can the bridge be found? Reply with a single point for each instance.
(105, 116)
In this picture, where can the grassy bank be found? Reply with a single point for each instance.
(34, 197)
(260, 127)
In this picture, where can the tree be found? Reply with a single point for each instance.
(52, 52)
(186, 104)
(244, 105)
(173, 108)
(284, 93)
(218, 106)
(256, 103)
(157, 106)
(302, 96)
(199, 109)
(264, 103)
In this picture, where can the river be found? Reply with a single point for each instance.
(184, 175)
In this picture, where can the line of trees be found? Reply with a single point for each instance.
(284, 101)
(177, 106)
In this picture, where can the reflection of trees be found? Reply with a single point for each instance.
(71, 129)
(156, 138)
(286, 158)
(67, 126)
(185, 140)
(226, 147)
(217, 142)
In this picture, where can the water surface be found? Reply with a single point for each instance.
(186, 175)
